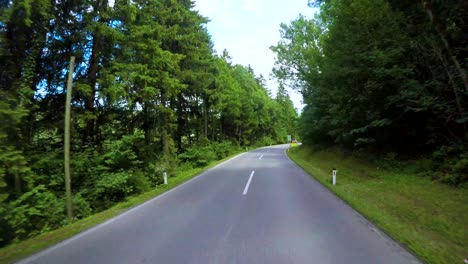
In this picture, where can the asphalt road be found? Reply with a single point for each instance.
(258, 207)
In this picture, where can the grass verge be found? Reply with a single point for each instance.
(20, 250)
(427, 217)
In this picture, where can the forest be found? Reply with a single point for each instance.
(384, 79)
(150, 94)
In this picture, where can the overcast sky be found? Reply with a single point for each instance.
(247, 28)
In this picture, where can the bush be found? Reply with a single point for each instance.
(111, 188)
(155, 173)
(199, 156)
(451, 164)
(139, 182)
(121, 154)
(222, 149)
(81, 207)
(265, 141)
(7, 234)
(48, 167)
(35, 211)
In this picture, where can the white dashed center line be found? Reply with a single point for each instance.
(248, 183)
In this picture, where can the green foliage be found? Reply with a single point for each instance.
(35, 211)
(140, 182)
(122, 154)
(155, 173)
(422, 214)
(111, 188)
(149, 95)
(199, 156)
(222, 149)
(265, 141)
(380, 75)
(202, 155)
(81, 207)
(451, 164)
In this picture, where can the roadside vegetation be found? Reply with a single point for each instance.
(149, 95)
(27, 247)
(383, 76)
(385, 82)
(402, 199)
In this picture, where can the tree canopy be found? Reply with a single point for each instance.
(149, 94)
(382, 76)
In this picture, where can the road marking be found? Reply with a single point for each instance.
(260, 157)
(248, 183)
(35, 256)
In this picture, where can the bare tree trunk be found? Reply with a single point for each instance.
(67, 140)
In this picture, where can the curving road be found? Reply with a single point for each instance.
(258, 207)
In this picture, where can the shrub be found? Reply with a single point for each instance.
(111, 188)
(7, 234)
(451, 164)
(81, 207)
(139, 182)
(199, 156)
(48, 167)
(222, 149)
(35, 211)
(265, 141)
(155, 173)
(121, 154)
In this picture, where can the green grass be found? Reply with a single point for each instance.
(30, 246)
(427, 217)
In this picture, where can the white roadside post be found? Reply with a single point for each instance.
(334, 176)
(165, 177)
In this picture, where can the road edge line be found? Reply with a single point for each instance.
(384, 235)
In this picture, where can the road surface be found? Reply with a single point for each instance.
(258, 207)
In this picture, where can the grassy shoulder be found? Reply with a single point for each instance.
(30, 246)
(427, 217)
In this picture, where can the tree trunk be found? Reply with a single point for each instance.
(146, 125)
(205, 119)
(180, 121)
(167, 150)
(92, 80)
(213, 127)
(93, 70)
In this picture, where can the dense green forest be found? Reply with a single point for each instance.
(149, 94)
(383, 77)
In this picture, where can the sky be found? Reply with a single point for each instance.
(247, 28)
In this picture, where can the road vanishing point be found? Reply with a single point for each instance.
(258, 207)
